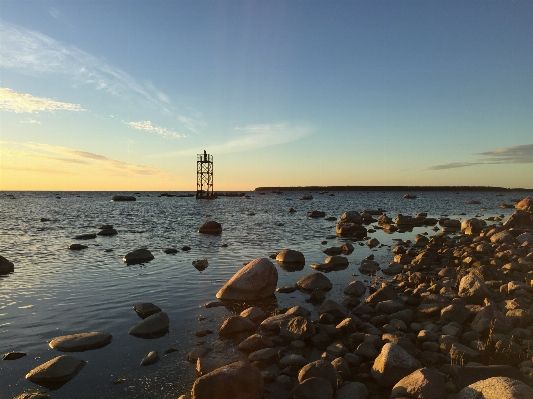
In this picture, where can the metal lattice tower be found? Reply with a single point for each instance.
(204, 176)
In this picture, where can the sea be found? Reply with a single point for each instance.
(55, 291)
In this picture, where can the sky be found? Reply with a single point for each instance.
(122, 95)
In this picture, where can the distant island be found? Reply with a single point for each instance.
(390, 188)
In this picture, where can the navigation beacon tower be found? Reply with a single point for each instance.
(204, 176)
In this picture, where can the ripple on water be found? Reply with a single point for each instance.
(56, 291)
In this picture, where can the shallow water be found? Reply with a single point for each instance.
(55, 291)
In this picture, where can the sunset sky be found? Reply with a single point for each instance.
(122, 95)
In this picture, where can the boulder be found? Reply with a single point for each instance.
(369, 266)
(154, 325)
(253, 313)
(382, 294)
(355, 288)
(200, 264)
(352, 390)
(145, 309)
(312, 388)
(503, 237)
(236, 380)
(255, 342)
(87, 236)
(117, 198)
(80, 342)
(350, 229)
(316, 214)
(497, 388)
(107, 232)
(490, 318)
(333, 308)
(236, 325)
(314, 281)
(320, 368)
(297, 328)
(13, 355)
(351, 217)
(210, 227)
(519, 219)
(77, 247)
(265, 356)
(273, 322)
(472, 226)
(257, 280)
(473, 289)
(423, 383)
(204, 366)
(464, 376)
(138, 256)
(58, 370)
(526, 204)
(393, 364)
(290, 256)
(6, 266)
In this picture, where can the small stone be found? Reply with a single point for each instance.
(151, 358)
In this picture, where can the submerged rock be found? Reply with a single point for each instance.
(138, 256)
(77, 247)
(118, 198)
(80, 342)
(88, 236)
(107, 232)
(290, 256)
(210, 227)
(13, 355)
(200, 264)
(256, 280)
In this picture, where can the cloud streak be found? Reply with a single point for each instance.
(508, 155)
(147, 125)
(252, 137)
(32, 52)
(15, 156)
(26, 103)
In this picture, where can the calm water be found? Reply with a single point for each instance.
(55, 291)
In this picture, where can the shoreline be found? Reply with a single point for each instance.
(390, 188)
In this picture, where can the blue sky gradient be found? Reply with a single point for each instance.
(281, 93)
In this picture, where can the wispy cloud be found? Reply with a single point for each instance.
(17, 155)
(147, 125)
(26, 103)
(255, 136)
(32, 52)
(507, 155)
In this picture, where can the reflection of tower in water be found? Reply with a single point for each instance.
(204, 176)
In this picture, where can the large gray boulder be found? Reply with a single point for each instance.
(59, 369)
(257, 280)
(314, 281)
(154, 325)
(6, 266)
(519, 219)
(497, 388)
(392, 364)
(236, 380)
(423, 383)
(80, 342)
(473, 290)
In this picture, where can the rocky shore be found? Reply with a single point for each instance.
(454, 321)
